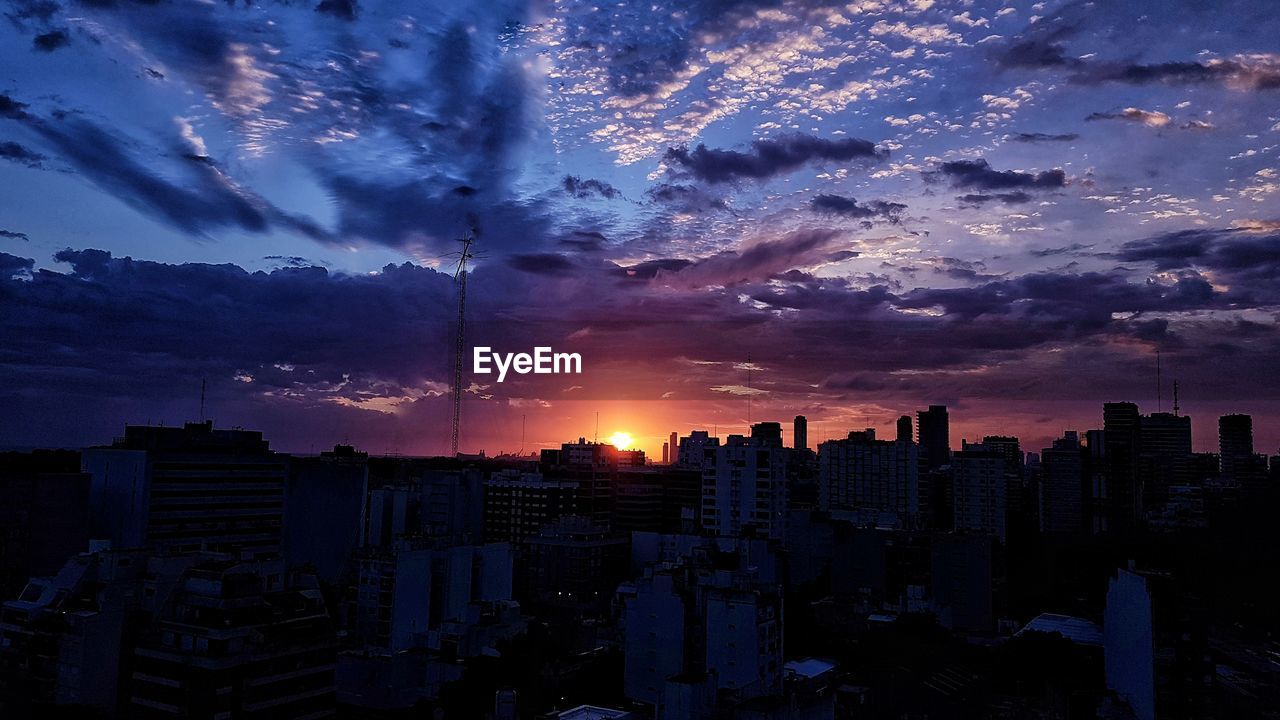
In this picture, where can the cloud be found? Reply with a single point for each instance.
(20, 154)
(848, 207)
(1247, 257)
(583, 189)
(52, 40)
(760, 260)
(1255, 72)
(1150, 118)
(12, 235)
(1010, 198)
(769, 157)
(685, 199)
(979, 174)
(341, 9)
(1037, 137)
(12, 266)
(12, 109)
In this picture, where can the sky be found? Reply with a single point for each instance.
(734, 211)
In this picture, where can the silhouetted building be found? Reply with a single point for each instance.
(673, 445)
(767, 433)
(962, 568)
(575, 565)
(979, 486)
(517, 506)
(1122, 437)
(904, 432)
(934, 436)
(1063, 486)
(698, 450)
(870, 481)
(44, 514)
(188, 488)
(237, 640)
(324, 506)
(1165, 455)
(745, 491)
(800, 433)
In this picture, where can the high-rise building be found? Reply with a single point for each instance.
(869, 480)
(188, 488)
(697, 450)
(1122, 435)
(666, 453)
(980, 479)
(800, 433)
(674, 444)
(1235, 447)
(1063, 485)
(745, 490)
(767, 433)
(934, 435)
(904, 429)
(1164, 457)
(517, 506)
(44, 514)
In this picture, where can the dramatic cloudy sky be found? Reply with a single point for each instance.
(1009, 208)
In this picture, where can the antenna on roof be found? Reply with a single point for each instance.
(202, 387)
(1159, 387)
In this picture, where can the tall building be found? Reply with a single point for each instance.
(1235, 448)
(44, 514)
(1063, 486)
(745, 490)
(698, 450)
(979, 487)
(767, 433)
(869, 480)
(666, 453)
(800, 433)
(934, 435)
(904, 429)
(1122, 435)
(324, 504)
(674, 444)
(1129, 645)
(188, 488)
(517, 506)
(1164, 457)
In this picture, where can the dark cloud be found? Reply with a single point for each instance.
(20, 154)
(583, 241)
(1037, 137)
(1248, 73)
(768, 157)
(583, 189)
(848, 207)
(761, 260)
(52, 40)
(208, 199)
(1150, 118)
(1249, 258)
(1010, 198)
(979, 174)
(541, 263)
(685, 198)
(12, 266)
(341, 9)
(12, 109)
(650, 269)
(1066, 250)
(13, 235)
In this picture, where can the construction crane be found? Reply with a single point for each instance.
(459, 349)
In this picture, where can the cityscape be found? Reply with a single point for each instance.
(639, 359)
(192, 571)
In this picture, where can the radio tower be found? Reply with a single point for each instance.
(459, 348)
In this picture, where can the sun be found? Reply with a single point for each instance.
(621, 440)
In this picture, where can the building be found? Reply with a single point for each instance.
(673, 444)
(62, 639)
(188, 488)
(979, 485)
(1128, 644)
(800, 434)
(518, 505)
(903, 428)
(767, 433)
(1164, 458)
(573, 564)
(870, 481)
(934, 436)
(1063, 486)
(745, 491)
(325, 506)
(1123, 494)
(44, 514)
(237, 639)
(698, 450)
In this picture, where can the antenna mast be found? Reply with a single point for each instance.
(1159, 386)
(459, 349)
(202, 386)
(748, 393)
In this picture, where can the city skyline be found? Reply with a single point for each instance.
(883, 204)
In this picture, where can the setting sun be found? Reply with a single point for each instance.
(621, 440)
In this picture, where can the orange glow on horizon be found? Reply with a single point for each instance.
(621, 440)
